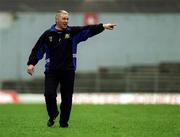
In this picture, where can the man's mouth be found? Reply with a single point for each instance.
(65, 25)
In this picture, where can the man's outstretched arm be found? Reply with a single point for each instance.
(85, 32)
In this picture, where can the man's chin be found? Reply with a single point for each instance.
(64, 27)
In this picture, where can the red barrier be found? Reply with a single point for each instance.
(8, 96)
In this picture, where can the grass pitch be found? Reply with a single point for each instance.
(92, 121)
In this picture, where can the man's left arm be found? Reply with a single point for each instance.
(91, 30)
(96, 29)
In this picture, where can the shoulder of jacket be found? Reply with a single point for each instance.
(47, 31)
(74, 28)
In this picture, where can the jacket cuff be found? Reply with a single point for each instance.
(101, 26)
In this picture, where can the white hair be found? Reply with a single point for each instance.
(60, 12)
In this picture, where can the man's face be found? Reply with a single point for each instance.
(62, 21)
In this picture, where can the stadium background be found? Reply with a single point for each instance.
(137, 63)
(140, 56)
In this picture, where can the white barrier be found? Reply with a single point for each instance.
(109, 98)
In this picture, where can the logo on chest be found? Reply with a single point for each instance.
(66, 36)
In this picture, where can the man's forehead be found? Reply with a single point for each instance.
(64, 15)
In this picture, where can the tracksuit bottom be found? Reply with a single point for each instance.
(66, 81)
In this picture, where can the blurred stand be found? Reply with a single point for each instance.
(126, 6)
(162, 78)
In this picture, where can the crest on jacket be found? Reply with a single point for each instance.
(67, 36)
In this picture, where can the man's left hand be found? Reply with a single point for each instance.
(109, 26)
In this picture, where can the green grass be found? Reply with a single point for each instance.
(93, 121)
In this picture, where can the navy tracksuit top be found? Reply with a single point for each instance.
(61, 46)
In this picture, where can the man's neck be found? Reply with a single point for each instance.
(58, 28)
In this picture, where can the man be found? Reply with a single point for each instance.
(60, 45)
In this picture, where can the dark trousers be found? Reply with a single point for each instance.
(66, 81)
